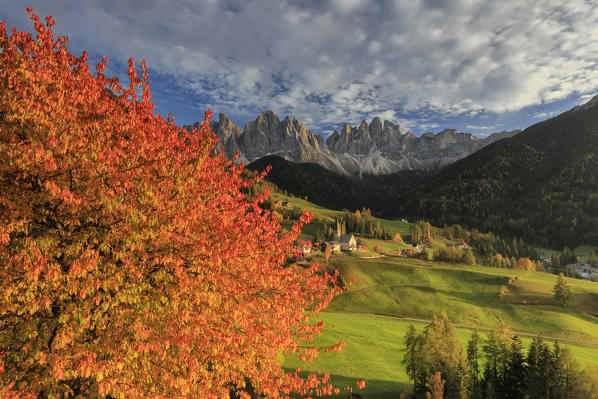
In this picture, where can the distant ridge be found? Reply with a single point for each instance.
(541, 185)
(377, 148)
(332, 190)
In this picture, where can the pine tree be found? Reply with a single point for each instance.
(561, 289)
(593, 259)
(556, 260)
(497, 350)
(515, 379)
(534, 373)
(473, 361)
(413, 360)
(444, 353)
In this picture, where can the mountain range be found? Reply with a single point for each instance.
(540, 184)
(377, 148)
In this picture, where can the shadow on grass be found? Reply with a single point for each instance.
(374, 389)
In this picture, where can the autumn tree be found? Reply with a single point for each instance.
(327, 251)
(525, 264)
(437, 349)
(468, 257)
(561, 290)
(436, 386)
(131, 263)
(444, 353)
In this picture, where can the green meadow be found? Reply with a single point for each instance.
(373, 351)
(368, 314)
(371, 315)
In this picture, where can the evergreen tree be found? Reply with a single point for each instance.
(473, 361)
(593, 259)
(535, 376)
(556, 260)
(515, 379)
(413, 360)
(496, 351)
(589, 381)
(444, 353)
(561, 289)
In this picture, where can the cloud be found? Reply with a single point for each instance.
(345, 60)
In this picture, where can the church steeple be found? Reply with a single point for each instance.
(338, 230)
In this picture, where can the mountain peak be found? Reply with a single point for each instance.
(371, 148)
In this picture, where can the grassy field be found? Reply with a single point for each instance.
(373, 351)
(469, 295)
(472, 296)
(414, 288)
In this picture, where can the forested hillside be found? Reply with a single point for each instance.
(540, 184)
(333, 190)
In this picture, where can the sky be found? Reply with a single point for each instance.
(476, 66)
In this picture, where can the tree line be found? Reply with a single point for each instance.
(360, 222)
(492, 367)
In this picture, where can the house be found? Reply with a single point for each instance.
(464, 246)
(546, 259)
(348, 242)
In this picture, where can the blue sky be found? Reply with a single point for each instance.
(477, 66)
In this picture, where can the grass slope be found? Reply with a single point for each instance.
(418, 289)
(469, 295)
(373, 351)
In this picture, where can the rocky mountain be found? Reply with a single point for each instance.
(382, 148)
(370, 149)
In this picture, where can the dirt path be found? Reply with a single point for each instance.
(470, 327)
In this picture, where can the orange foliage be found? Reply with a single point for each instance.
(436, 386)
(397, 237)
(525, 264)
(131, 264)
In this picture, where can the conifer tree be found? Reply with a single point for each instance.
(534, 372)
(561, 290)
(473, 361)
(515, 379)
(444, 353)
(496, 350)
(414, 361)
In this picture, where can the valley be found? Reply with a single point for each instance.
(392, 292)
